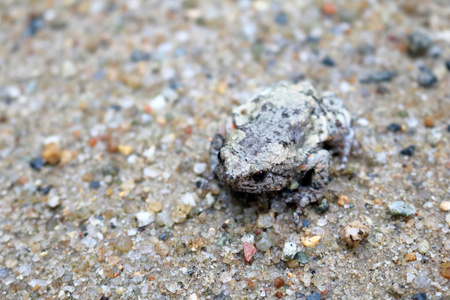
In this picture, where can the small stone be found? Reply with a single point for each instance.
(311, 241)
(94, 184)
(410, 256)
(323, 206)
(428, 121)
(353, 233)
(278, 283)
(447, 65)
(434, 136)
(302, 257)
(423, 247)
(444, 270)
(37, 164)
(378, 77)
(418, 43)
(138, 55)
(180, 212)
(125, 150)
(53, 202)
(162, 249)
(399, 208)
(409, 151)
(445, 205)
(314, 296)
(144, 218)
(329, 9)
(281, 18)
(279, 295)
(154, 206)
(447, 219)
(52, 154)
(263, 242)
(289, 250)
(426, 77)
(394, 127)
(264, 221)
(422, 281)
(328, 62)
(421, 296)
(193, 297)
(123, 243)
(249, 251)
(343, 200)
(199, 168)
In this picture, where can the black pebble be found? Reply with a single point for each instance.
(37, 164)
(323, 206)
(419, 43)
(44, 190)
(281, 18)
(394, 127)
(421, 296)
(35, 24)
(163, 236)
(448, 128)
(426, 77)
(377, 77)
(137, 56)
(409, 151)
(314, 296)
(95, 184)
(104, 298)
(328, 61)
(447, 64)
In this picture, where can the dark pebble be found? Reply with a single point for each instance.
(163, 236)
(447, 64)
(382, 76)
(137, 56)
(104, 298)
(408, 151)
(426, 77)
(35, 24)
(394, 127)
(44, 190)
(37, 164)
(305, 223)
(314, 296)
(448, 128)
(4, 272)
(302, 258)
(115, 107)
(221, 296)
(299, 295)
(94, 184)
(297, 78)
(281, 18)
(323, 206)
(421, 296)
(418, 43)
(110, 169)
(328, 61)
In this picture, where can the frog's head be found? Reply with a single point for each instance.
(247, 163)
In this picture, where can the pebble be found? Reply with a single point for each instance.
(447, 65)
(263, 242)
(162, 249)
(447, 219)
(394, 127)
(428, 121)
(314, 296)
(445, 205)
(37, 164)
(421, 296)
(289, 250)
(434, 136)
(94, 184)
(154, 206)
(444, 270)
(53, 202)
(199, 168)
(249, 251)
(123, 243)
(411, 256)
(278, 283)
(281, 18)
(399, 208)
(378, 77)
(323, 206)
(328, 61)
(423, 246)
(302, 257)
(329, 8)
(125, 149)
(35, 24)
(138, 55)
(353, 233)
(426, 77)
(311, 241)
(51, 154)
(264, 221)
(418, 43)
(408, 151)
(343, 200)
(422, 281)
(193, 297)
(144, 218)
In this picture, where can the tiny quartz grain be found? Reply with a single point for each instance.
(353, 233)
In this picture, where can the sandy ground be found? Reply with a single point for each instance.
(107, 109)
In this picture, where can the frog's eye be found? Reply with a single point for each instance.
(259, 176)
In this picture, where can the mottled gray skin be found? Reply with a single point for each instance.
(275, 143)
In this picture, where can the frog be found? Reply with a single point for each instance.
(278, 145)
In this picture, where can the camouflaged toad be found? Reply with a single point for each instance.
(277, 142)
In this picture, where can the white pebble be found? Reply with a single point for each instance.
(144, 218)
(289, 250)
(199, 168)
(445, 206)
(53, 202)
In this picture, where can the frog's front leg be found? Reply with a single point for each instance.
(313, 178)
